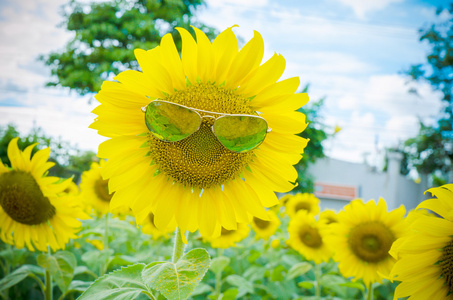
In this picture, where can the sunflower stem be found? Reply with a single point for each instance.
(370, 292)
(106, 231)
(48, 289)
(318, 281)
(178, 248)
(218, 276)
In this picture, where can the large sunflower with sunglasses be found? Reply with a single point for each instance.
(34, 210)
(204, 138)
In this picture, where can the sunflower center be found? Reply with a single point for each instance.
(200, 160)
(22, 199)
(151, 219)
(226, 232)
(371, 241)
(101, 188)
(446, 265)
(302, 206)
(310, 236)
(262, 224)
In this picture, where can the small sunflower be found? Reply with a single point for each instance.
(425, 254)
(328, 216)
(302, 201)
(94, 190)
(229, 238)
(197, 181)
(306, 235)
(34, 212)
(72, 189)
(362, 239)
(148, 227)
(265, 229)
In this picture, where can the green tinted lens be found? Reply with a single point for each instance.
(240, 133)
(171, 122)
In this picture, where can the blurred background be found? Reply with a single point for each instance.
(378, 73)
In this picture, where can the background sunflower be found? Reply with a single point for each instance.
(425, 253)
(362, 239)
(265, 229)
(306, 235)
(34, 210)
(302, 201)
(229, 238)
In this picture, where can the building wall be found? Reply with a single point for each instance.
(395, 188)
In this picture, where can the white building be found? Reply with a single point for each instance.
(337, 182)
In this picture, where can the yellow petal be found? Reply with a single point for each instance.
(247, 60)
(189, 55)
(172, 61)
(265, 75)
(119, 145)
(150, 64)
(207, 214)
(225, 48)
(205, 56)
(137, 82)
(267, 96)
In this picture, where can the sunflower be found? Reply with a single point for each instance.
(306, 235)
(34, 212)
(197, 181)
(328, 216)
(148, 227)
(72, 189)
(362, 239)
(229, 238)
(425, 254)
(94, 190)
(302, 201)
(265, 229)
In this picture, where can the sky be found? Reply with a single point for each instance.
(351, 52)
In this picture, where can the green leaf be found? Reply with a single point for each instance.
(244, 286)
(254, 273)
(298, 270)
(230, 294)
(355, 285)
(278, 273)
(84, 270)
(306, 285)
(219, 263)
(124, 284)
(202, 288)
(177, 281)
(18, 275)
(254, 255)
(61, 266)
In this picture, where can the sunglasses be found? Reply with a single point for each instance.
(171, 122)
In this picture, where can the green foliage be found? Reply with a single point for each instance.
(61, 266)
(316, 132)
(177, 281)
(106, 34)
(174, 281)
(431, 151)
(69, 161)
(253, 270)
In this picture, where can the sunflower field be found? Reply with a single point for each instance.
(191, 197)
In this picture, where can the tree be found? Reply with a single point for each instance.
(431, 150)
(316, 132)
(107, 33)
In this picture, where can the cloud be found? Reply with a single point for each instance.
(363, 7)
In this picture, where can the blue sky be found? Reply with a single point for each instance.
(351, 52)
